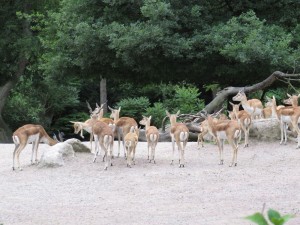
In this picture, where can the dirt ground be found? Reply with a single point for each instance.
(202, 193)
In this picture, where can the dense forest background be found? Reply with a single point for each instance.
(143, 55)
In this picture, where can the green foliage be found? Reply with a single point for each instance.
(279, 94)
(158, 112)
(23, 106)
(186, 99)
(273, 216)
(134, 107)
(64, 124)
(35, 101)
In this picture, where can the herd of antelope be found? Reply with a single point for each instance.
(103, 130)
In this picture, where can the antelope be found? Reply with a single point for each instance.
(29, 133)
(123, 125)
(179, 133)
(244, 120)
(104, 137)
(99, 112)
(131, 140)
(286, 115)
(152, 136)
(226, 129)
(204, 129)
(253, 107)
(292, 100)
(87, 126)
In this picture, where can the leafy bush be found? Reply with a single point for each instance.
(22, 106)
(273, 216)
(185, 99)
(158, 112)
(279, 93)
(134, 107)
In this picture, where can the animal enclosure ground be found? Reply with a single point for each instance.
(203, 192)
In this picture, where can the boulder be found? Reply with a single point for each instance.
(77, 145)
(53, 157)
(265, 129)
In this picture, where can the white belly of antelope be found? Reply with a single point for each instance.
(286, 119)
(32, 138)
(221, 135)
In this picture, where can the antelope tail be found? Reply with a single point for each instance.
(183, 136)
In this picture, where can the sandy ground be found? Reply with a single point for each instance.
(202, 193)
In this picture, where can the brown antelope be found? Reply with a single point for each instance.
(222, 130)
(204, 129)
(253, 107)
(123, 125)
(131, 140)
(29, 133)
(87, 126)
(98, 111)
(104, 138)
(179, 134)
(292, 100)
(152, 136)
(244, 120)
(287, 115)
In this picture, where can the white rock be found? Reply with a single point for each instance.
(265, 129)
(51, 159)
(77, 145)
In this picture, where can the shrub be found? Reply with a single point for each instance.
(134, 107)
(158, 112)
(186, 99)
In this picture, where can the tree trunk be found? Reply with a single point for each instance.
(217, 102)
(5, 131)
(103, 94)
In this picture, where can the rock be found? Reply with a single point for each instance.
(265, 129)
(77, 145)
(51, 159)
(54, 156)
(64, 148)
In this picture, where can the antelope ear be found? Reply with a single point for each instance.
(178, 113)
(149, 117)
(231, 103)
(167, 113)
(268, 99)
(288, 95)
(72, 122)
(298, 95)
(274, 97)
(119, 109)
(111, 109)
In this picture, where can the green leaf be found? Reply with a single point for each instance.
(257, 218)
(274, 217)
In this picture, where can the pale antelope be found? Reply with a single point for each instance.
(222, 130)
(87, 126)
(204, 129)
(292, 100)
(123, 125)
(131, 140)
(253, 107)
(287, 115)
(244, 120)
(152, 136)
(104, 139)
(29, 133)
(179, 134)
